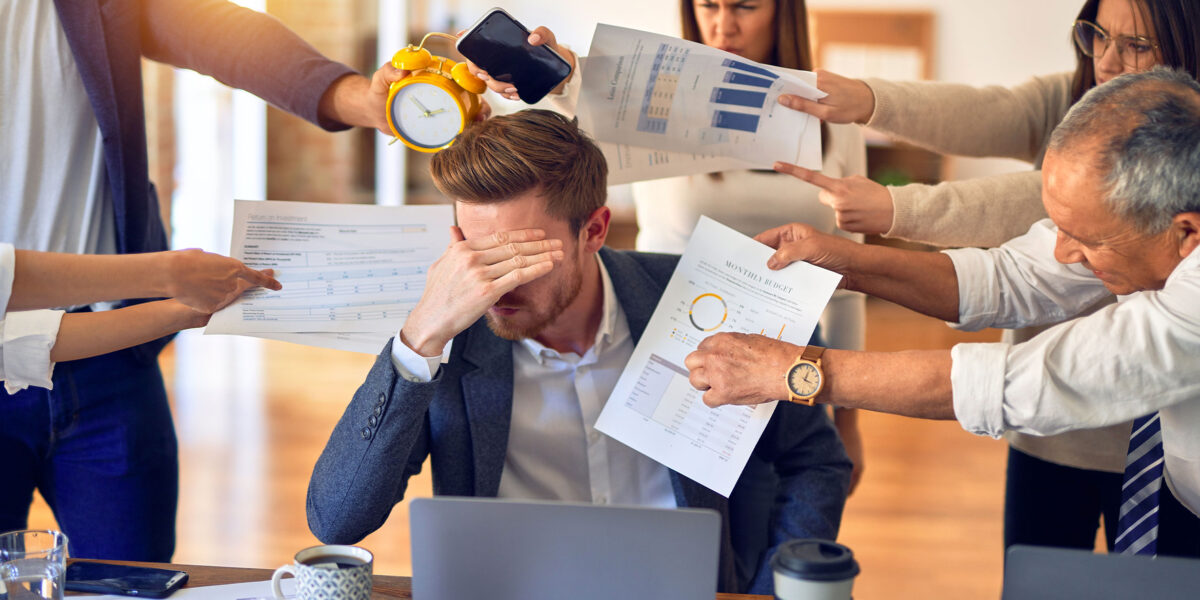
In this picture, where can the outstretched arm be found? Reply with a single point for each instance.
(195, 278)
(922, 281)
(738, 368)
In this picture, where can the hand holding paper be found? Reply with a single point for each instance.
(745, 368)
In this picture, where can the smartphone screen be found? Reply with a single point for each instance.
(497, 43)
(126, 580)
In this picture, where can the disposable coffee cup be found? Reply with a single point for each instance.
(812, 569)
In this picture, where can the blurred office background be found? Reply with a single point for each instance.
(252, 415)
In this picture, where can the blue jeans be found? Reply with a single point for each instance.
(101, 449)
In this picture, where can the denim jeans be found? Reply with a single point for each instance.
(101, 449)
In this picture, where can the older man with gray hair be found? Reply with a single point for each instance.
(1121, 184)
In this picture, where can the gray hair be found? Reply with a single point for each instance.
(1147, 126)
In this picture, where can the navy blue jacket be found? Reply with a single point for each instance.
(460, 420)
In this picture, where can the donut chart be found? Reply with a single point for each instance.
(708, 312)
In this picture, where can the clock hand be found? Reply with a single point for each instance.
(420, 106)
(440, 110)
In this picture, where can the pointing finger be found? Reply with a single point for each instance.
(810, 176)
(259, 278)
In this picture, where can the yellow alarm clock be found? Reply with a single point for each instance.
(429, 108)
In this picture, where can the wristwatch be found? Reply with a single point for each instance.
(805, 378)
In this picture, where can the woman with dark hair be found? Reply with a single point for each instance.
(1058, 487)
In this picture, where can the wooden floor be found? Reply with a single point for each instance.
(252, 416)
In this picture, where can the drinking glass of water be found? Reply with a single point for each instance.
(32, 564)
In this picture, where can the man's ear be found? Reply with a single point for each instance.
(1188, 227)
(594, 231)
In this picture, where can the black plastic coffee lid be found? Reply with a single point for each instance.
(815, 560)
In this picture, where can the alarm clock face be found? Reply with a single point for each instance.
(426, 115)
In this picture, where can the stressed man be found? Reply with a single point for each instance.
(501, 370)
(1121, 184)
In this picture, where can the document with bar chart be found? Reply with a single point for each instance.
(722, 284)
(350, 273)
(661, 93)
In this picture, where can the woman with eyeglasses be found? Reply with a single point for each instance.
(1057, 487)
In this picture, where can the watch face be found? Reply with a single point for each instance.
(804, 379)
(426, 115)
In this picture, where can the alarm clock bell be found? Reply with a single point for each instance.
(432, 105)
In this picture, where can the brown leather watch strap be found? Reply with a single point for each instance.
(812, 353)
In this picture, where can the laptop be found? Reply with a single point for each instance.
(1040, 573)
(465, 548)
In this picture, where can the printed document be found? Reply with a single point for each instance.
(351, 273)
(656, 92)
(722, 284)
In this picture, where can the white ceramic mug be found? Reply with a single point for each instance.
(329, 573)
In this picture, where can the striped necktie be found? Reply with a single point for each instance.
(1137, 525)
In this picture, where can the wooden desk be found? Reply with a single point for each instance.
(386, 587)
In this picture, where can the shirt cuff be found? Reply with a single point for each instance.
(26, 338)
(414, 367)
(975, 272)
(977, 384)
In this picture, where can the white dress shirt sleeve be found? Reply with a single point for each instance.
(1124, 361)
(26, 338)
(413, 366)
(1020, 283)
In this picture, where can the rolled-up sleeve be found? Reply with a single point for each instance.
(26, 338)
(1021, 284)
(977, 374)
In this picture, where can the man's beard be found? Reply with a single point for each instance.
(559, 301)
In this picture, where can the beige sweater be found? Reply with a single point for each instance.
(969, 121)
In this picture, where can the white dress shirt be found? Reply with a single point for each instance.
(554, 451)
(26, 337)
(1127, 360)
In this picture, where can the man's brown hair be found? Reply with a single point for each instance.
(502, 157)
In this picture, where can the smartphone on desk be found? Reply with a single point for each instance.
(499, 45)
(126, 580)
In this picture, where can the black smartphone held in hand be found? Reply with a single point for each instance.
(499, 45)
(105, 578)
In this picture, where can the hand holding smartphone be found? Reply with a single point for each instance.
(499, 44)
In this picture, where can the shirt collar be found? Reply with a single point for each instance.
(605, 334)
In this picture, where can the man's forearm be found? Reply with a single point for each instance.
(922, 281)
(913, 383)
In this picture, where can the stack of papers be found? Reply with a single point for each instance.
(351, 273)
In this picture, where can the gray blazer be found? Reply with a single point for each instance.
(460, 421)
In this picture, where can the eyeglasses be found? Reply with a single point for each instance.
(1134, 50)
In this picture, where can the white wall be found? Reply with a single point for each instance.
(982, 42)
(977, 41)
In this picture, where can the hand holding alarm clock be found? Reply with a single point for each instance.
(433, 104)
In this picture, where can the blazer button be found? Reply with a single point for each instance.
(373, 421)
(378, 411)
(366, 433)
(382, 399)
